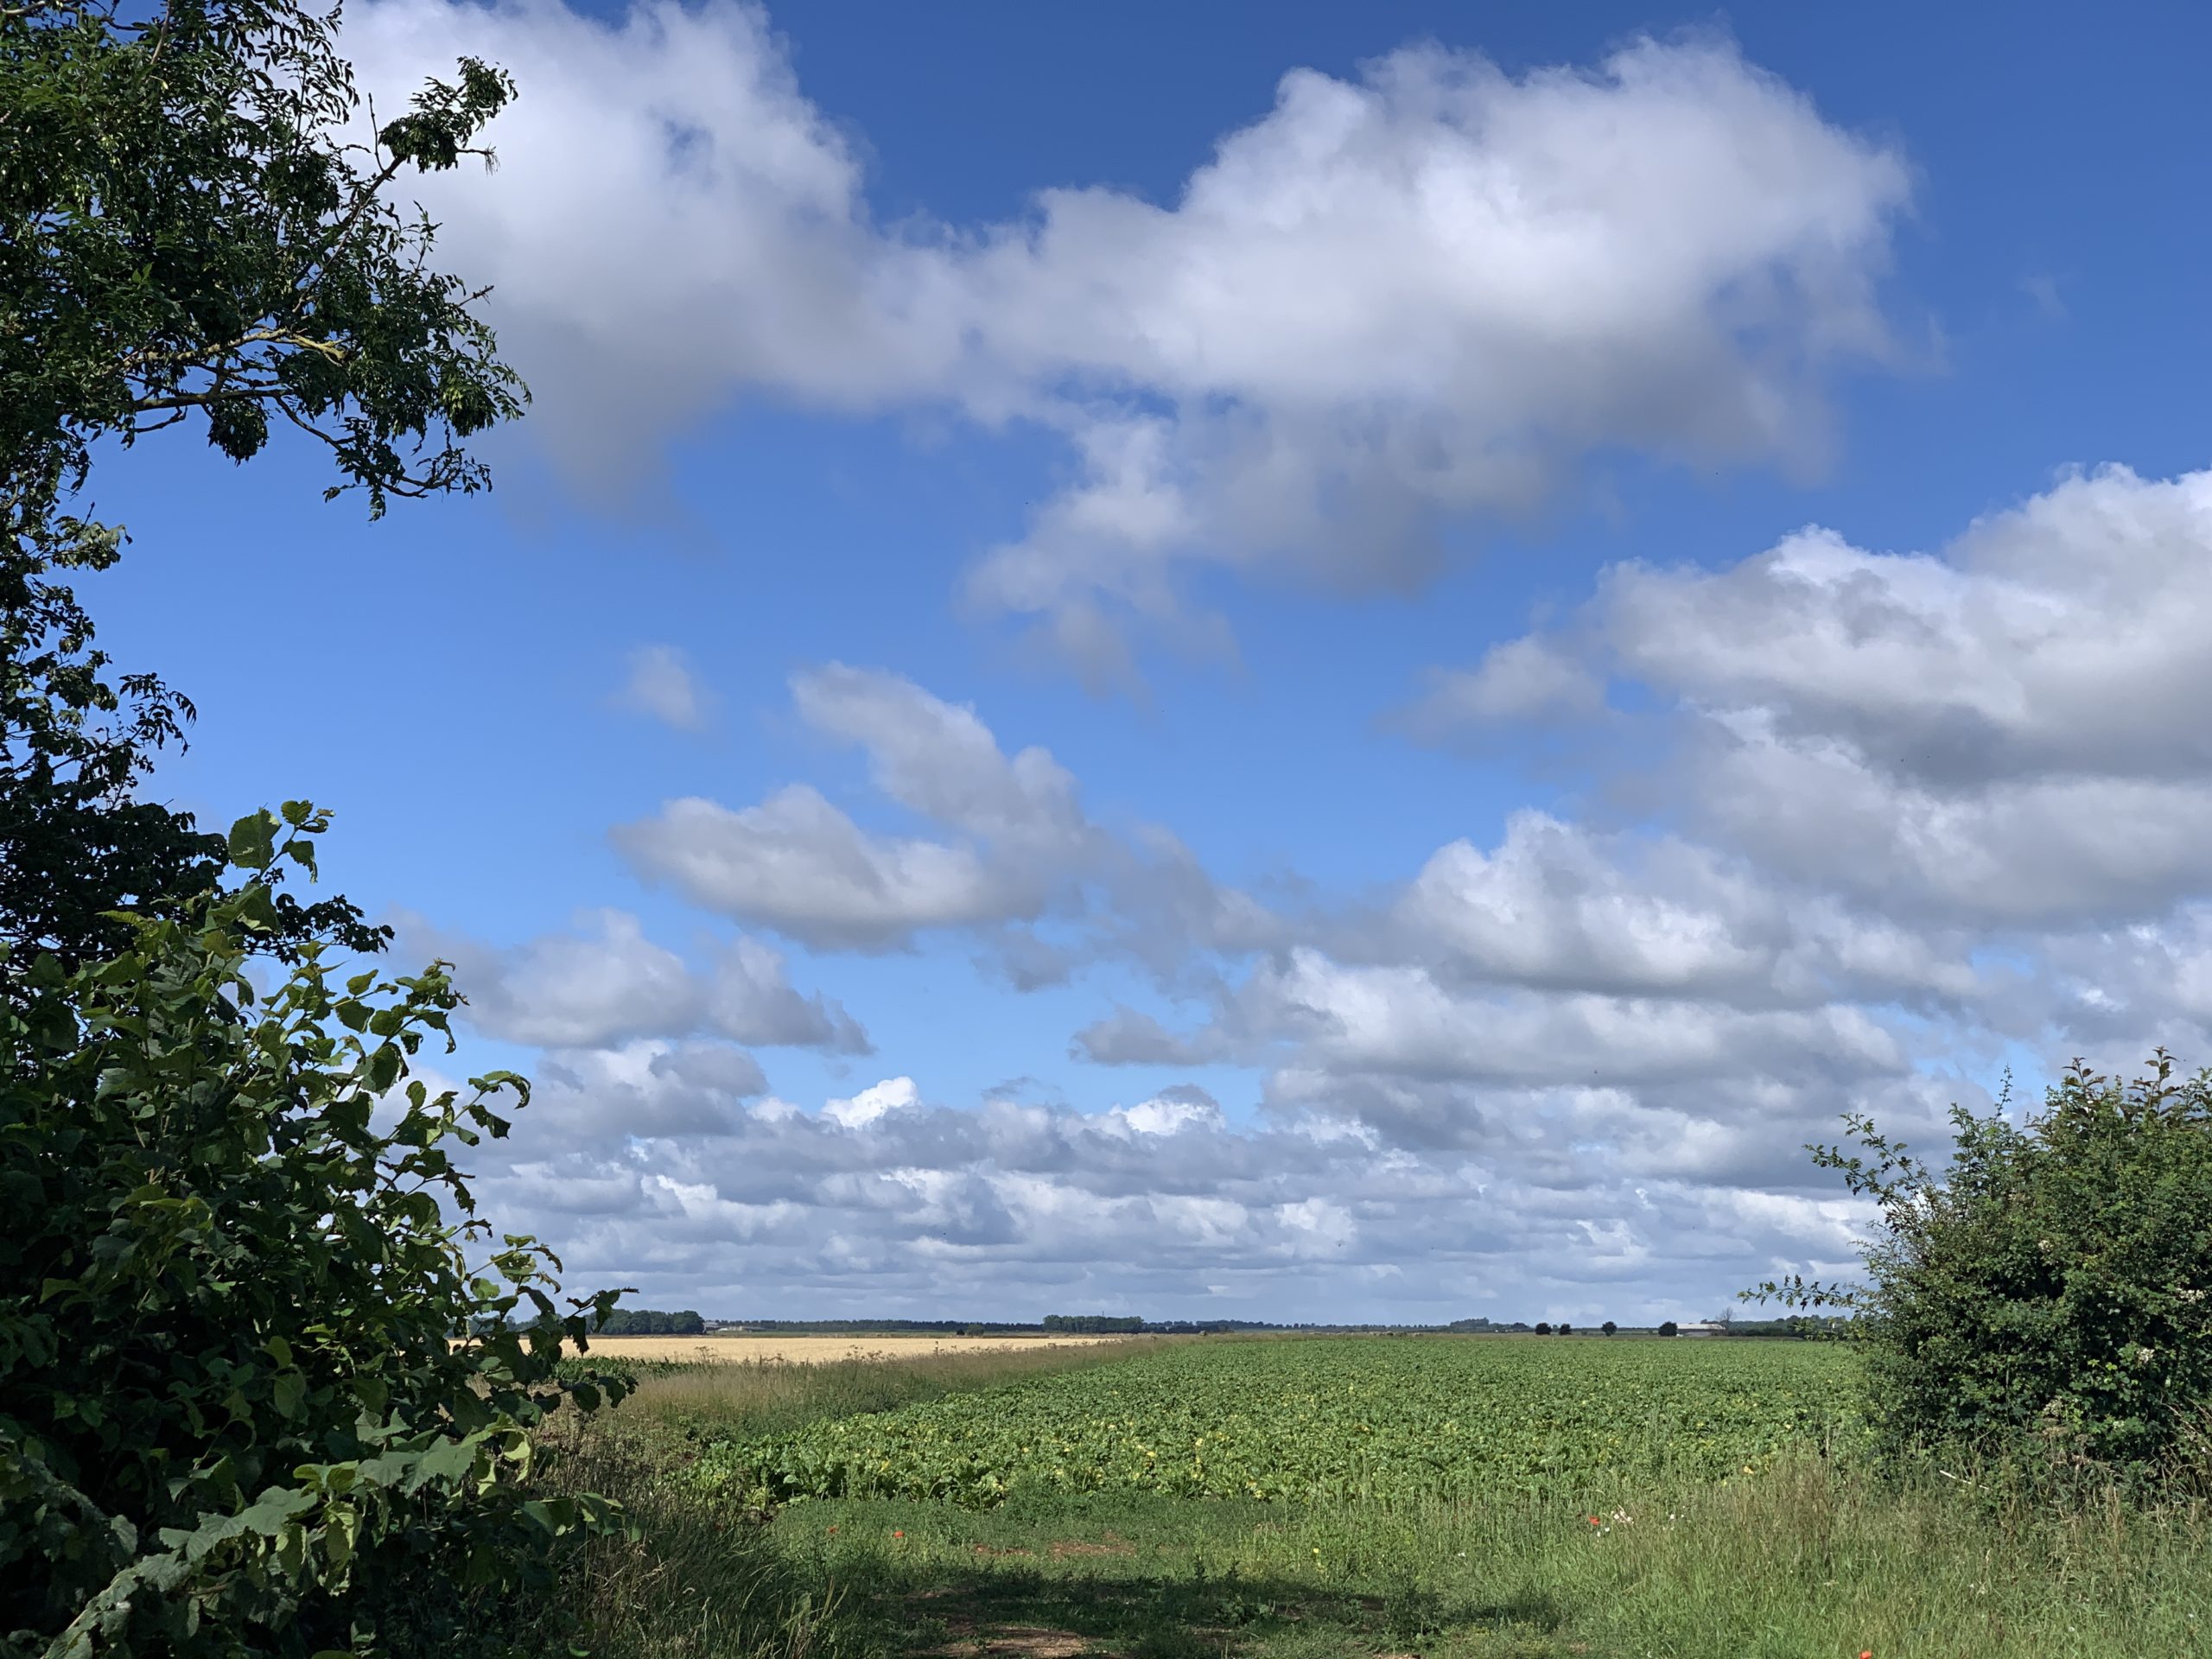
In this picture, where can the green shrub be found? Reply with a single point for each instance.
(2046, 1298)
(238, 1413)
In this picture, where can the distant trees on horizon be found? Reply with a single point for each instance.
(1093, 1325)
(651, 1322)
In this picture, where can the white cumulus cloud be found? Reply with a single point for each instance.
(892, 1094)
(607, 983)
(1431, 290)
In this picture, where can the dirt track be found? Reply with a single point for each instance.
(816, 1350)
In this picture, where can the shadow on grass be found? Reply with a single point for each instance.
(1033, 1612)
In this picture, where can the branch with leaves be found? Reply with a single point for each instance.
(191, 230)
(187, 227)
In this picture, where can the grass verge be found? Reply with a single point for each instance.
(703, 1580)
(1801, 1561)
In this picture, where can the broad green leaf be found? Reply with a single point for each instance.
(252, 840)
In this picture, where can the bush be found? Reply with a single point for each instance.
(1608, 1327)
(238, 1411)
(1543, 1327)
(2046, 1299)
(1669, 1328)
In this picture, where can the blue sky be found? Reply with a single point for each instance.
(1383, 652)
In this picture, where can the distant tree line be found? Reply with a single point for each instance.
(1093, 1325)
(649, 1322)
(1799, 1327)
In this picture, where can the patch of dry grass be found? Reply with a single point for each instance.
(809, 1350)
(772, 1393)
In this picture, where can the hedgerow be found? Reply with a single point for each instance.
(2044, 1299)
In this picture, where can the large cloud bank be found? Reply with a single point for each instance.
(1568, 1071)
(1901, 818)
(1429, 292)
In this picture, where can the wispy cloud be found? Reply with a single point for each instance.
(661, 684)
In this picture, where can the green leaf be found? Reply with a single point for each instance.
(286, 1392)
(256, 908)
(383, 1067)
(252, 840)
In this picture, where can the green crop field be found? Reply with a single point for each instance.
(1318, 1420)
(1334, 1498)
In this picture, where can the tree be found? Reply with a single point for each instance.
(2045, 1298)
(190, 234)
(1564, 1329)
(186, 234)
(232, 1416)
(1543, 1327)
(1669, 1328)
(1608, 1327)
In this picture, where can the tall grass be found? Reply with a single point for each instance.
(1804, 1561)
(766, 1396)
(695, 1580)
(689, 1580)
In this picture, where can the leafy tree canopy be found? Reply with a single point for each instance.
(193, 227)
(266, 1379)
(190, 232)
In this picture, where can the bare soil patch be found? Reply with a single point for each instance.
(964, 1638)
(1068, 1548)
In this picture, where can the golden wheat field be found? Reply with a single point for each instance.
(816, 1351)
